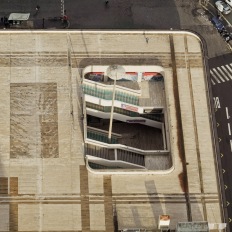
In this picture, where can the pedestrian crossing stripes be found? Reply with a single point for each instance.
(221, 74)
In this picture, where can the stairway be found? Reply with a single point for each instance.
(130, 157)
(99, 166)
(108, 154)
(100, 152)
(100, 136)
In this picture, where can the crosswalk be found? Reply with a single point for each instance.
(221, 74)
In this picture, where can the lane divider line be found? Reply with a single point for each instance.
(227, 113)
(229, 129)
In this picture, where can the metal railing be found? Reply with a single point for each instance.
(107, 94)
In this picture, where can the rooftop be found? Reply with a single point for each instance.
(44, 182)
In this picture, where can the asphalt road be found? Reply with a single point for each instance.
(221, 67)
(224, 128)
(92, 14)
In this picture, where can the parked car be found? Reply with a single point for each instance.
(229, 2)
(226, 35)
(223, 7)
(217, 24)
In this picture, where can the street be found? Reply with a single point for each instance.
(221, 79)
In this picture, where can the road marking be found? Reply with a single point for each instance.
(218, 124)
(213, 81)
(221, 155)
(229, 129)
(223, 74)
(230, 220)
(227, 114)
(213, 75)
(226, 186)
(216, 102)
(227, 203)
(228, 67)
(226, 71)
(223, 171)
(231, 145)
(216, 72)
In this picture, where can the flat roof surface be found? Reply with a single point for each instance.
(19, 16)
(44, 184)
(192, 227)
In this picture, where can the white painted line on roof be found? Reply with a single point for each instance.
(213, 75)
(212, 81)
(227, 113)
(229, 130)
(231, 145)
(216, 73)
(223, 74)
(228, 73)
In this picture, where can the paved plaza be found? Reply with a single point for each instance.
(44, 183)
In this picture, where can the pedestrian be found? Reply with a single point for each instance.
(6, 22)
(43, 23)
(65, 21)
(37, 8)
(106, 3)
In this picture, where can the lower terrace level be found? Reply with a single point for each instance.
(131, 134)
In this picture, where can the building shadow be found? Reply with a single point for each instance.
(154, 200)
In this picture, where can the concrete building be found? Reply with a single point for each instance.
(45, 184)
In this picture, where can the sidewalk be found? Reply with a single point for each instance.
(92, 14)
(49, 23)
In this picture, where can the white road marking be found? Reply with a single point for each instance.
(216, 72)
(213, 81)
(229, 129)
(216, 102)
(229, 74)
(213, 75)
(223, 74)
(228, 67)
(231, 145)
(227, 113)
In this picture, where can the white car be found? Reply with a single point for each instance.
(229, 2)
(223, 7)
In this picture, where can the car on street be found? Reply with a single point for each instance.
(217, 24)
(223, 7)
(226, 35)
(229, 2)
